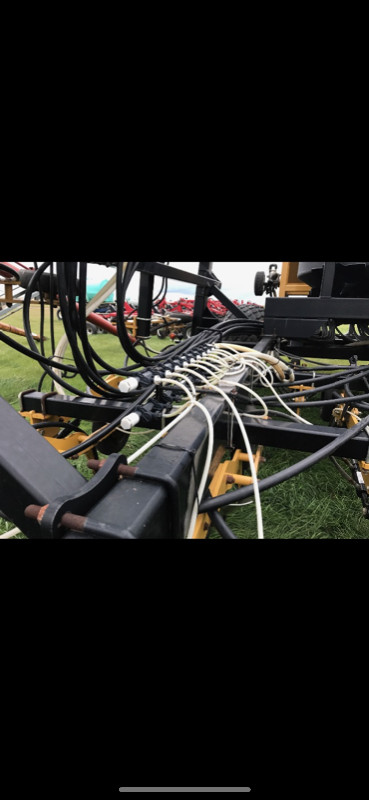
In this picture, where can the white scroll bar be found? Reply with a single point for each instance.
(185, 789)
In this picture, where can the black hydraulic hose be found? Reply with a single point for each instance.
(49, 363)
(94, 356)
(276, 413)
(308, 380)
(339, 368)
(36, 356)
(123, 282)
(91, 355)
(125, 341)
(51, 306)
(41, 381)
(108, 369)
(42, 324)
(358, 405)
(235, 325)
(226, 328)
(349, 375)
(306, 360)
(86, 367)
(342, 400)
(366, 383)
(327, 386)
(48, 424)
(161, 294)
(121, 295)
(248, 329)
(344, 474)
(221, 525)
(224, 323)
(285, 475)
(33, 352)
(27, 304)
(66, 291)
(96, 438)
(76, 322)
(319, 403)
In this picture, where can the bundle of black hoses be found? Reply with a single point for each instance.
(74, 318)
(70, 281)
(125, 274)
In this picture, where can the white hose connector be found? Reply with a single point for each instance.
(129, 385)
(130, 422)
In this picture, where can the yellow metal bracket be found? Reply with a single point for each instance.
(227, 474)
(61, 445)
(290, 284)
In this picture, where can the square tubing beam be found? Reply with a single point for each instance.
(309, 439)
(31, 471)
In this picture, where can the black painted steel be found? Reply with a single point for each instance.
(157, 502)
(303, 438)
(91, 409)
(165, 271)
(31, 472)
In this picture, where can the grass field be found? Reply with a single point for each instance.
(316, 505)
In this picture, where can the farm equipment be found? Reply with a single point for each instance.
(241, 382)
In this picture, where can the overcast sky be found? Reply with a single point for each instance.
(237, 277)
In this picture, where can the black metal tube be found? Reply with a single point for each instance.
(221, 525)
(286, 474)
(145, 306)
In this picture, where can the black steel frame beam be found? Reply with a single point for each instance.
(202, 297)
(145, 304)
(31, 472)
(201, 318)
(345, 309)
(327, 350)
(165, 483)
(301, 316)
(142, 506)
(236, 310)
(165, 271)
(156, 503)
(303, 438)
(90, 409)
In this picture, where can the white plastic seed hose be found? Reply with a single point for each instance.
(281, 368)
(259, 516)
(10, 534)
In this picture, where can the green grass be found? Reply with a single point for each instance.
(316, 505)
(19, 373)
